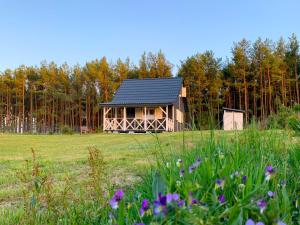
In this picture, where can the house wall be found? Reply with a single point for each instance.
(139, 113)
(233, 120)
(179, 114)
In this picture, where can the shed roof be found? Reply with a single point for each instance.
(149, 91)
(233, 110)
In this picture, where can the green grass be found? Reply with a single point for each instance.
(126, 156)
(137, 163)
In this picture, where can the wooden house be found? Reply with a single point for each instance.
(146, 105)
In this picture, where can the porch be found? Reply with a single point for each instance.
(138, 119)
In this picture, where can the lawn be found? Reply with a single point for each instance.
(217, 178)
(126, 155)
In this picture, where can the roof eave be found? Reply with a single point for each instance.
(108, 104)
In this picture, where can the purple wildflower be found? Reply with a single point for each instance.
(269, 171)
(197, 162)
(181, 203)
(251, 222)
(281, 223)
(191, 168)
(221, 199)
(244, 179)
(220, 183)
(175, 197)
(192, 200)
(181, 172)
(172, 197)
(169, 197)
(260, 223)
(262, 205)
(113, 203)
(118, 196)
(160, 205)
(271, 194)
(139, 224)
(145, 207)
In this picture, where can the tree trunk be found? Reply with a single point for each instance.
(297, 84)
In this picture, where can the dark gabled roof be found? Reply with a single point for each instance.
(233, 110)
(150, 91)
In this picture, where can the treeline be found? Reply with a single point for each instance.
(49, 97)
(259, 77)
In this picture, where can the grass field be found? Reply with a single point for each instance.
(206, 158)
(66, 155)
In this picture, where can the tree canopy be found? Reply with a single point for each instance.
(259, 78)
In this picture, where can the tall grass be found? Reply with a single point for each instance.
(221, 179)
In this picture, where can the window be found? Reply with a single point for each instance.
(151, 112)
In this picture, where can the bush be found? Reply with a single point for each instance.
(280, 120)
(294, 124)
(67, 130)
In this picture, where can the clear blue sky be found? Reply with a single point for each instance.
(79, 31)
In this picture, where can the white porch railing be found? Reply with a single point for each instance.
(135, 124)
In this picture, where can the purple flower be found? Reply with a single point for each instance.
(220, 183)
(281, 223)
(113, 203)
(172, 197)
(197, 162)
(221, 199)
(145, 204)
(175, 197)
(271, 194)
(181, 203)
(169, 197)
(192, 200)
(118, 196)
(269, 170)
(181, 172)
(262, 205)
(191, 168)
(195, 165)
(160, 205)
(244, 179)
(145, 207)
(139, 224)
(251, 222)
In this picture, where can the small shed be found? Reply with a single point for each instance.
(146, 105)
(233, 119)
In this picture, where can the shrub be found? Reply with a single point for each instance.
(67, 130)
(280, 120)
(294, 124)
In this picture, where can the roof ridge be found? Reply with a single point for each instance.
(157, 78)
